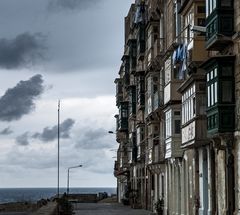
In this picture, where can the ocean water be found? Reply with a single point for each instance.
(35, 194)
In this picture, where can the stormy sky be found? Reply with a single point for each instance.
(50, 50)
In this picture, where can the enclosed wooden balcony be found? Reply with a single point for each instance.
(173, 132)
(220, 94)
(123, 117)
(220, 25)
(170, 91)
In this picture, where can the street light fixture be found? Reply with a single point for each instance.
(111, 132)
(73, 167)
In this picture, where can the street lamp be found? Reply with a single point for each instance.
(73, 167)
(111, 132)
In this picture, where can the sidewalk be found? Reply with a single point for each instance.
(106, 209)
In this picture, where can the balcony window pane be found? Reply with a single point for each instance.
(225, 3)
(183, 114)
(168, 124)
(226, 91)
(214, 4)
(216, 93)
(191, 109)
(207, 8)
(215, 72)
(212, 95)
(177, 126)
(194, 106)
(209, 96)
(210, 6)
(226, 71)
(124, 113)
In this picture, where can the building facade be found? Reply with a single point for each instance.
(178, 99)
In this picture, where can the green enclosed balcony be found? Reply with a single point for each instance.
(220, 94)
(132, 44)
(119, 90)
(132, 100)
(219, 24)
(141, 42)
(123, 116)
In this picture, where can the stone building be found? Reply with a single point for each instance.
(178, 99)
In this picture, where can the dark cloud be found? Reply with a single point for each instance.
(23, 139)
(56, 5)
(94, 139)
(19, 100)
(50, 134)
(22, 51)
(6, 131)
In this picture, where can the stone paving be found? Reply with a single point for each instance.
(106, 209)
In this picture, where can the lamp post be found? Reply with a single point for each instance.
(58, 148)
(111, 132)
(73, 167)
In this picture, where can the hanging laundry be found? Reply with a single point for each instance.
(174, 56)
(180, 53)
(183, 68)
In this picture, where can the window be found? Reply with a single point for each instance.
(188, 22)
(210, 6)
(188, 105)
(177, 126)
(201, 9)
(124, 113)
(172, 123)
(168, 70)
(138, 151)
(220, 94)
(168, 124)
(212, 121)
(227, 71)
(132, 100)
(226, 3)
(227, 91)
(201, 22)
(212, 87)
(149, 40)
(140, 134)
(123, 109)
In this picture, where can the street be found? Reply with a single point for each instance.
(106, 209)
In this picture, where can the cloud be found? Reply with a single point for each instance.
(49, 134)
(22, 51)
(93, 139)
(23, 139)
(56, 5)
(6, 131)
(19, 100)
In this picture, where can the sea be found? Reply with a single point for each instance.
(35, 194)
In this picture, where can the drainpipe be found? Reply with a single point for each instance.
(178, 20)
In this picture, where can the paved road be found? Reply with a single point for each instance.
(106, 209)
(13, 213)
